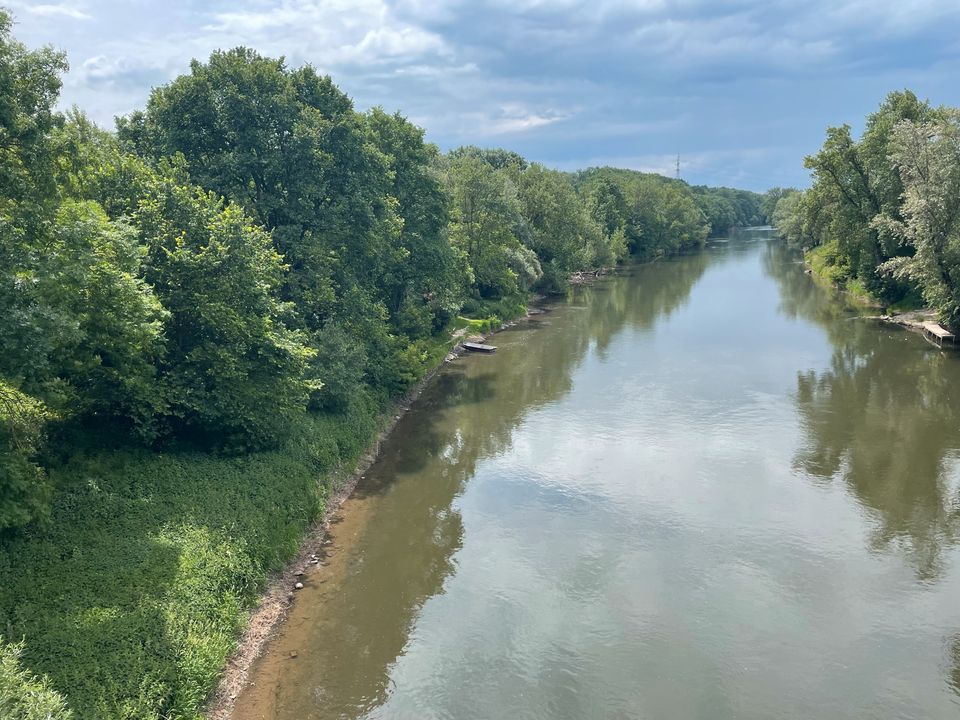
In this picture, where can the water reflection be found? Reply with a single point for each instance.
(651, 502)
(884, 418)
(402, 530)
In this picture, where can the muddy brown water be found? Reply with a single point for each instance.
(696, 490)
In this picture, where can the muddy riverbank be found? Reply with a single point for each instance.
(313, 559)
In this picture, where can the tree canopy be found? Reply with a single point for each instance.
(867, 214)
(249, 248)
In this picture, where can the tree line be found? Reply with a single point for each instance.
(881, 215)
(250, 247)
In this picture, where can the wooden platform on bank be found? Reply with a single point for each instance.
(938, 332)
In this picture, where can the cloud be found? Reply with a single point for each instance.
(119, 71)
(565, 82)
(330, 32)
(516, 119)
(54, 10)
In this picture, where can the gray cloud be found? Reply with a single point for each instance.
(742, 88)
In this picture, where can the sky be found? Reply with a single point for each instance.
(740, 90)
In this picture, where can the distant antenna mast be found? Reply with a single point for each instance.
(678, 166)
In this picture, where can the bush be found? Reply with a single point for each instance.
(24, 696)
(25, 489)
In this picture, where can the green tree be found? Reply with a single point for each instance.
(80, 328)
(485, 222)
(856, 182)
(288, 147)
(232, 373)
(420, 285)
(927, 158)
(29, 87)
(559, 229)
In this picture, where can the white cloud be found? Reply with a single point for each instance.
(54, 10)
(112, 68)
(330, 32)
(519, 123)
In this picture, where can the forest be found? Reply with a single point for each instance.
(881, 216)
(206, 311)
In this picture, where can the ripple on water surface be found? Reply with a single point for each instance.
(694, 491)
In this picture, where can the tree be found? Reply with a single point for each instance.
(233, 374)
(29, 87)
(485, 222)
(80, 328)
(420, 286)
(856, 182)
(926, 156)
(287, 146)
(657, 215)
(105, 331)
(788, 218)
(559, 230)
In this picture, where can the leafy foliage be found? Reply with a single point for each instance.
(131, 597)
(857, 199)
(24, 696)
(25, 490)
(653, 215)
(927, 157)
(232, 369)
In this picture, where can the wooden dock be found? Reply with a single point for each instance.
(480, 347)
(938, 333)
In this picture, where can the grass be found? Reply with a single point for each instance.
(827, 264)
(490, 315)
(475, 326)
(829, 268)
(131, 599)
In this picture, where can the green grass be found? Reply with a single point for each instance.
(476, 325)
(827, 264)
(131, 598)
(829, 268)
(492, 312)
(489, 315)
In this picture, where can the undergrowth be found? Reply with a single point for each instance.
(131, 598)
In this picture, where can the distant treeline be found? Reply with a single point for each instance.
(881, 217)
(249, 248)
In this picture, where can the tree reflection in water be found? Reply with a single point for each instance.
(884, 419)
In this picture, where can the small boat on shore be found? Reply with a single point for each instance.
(480, 347)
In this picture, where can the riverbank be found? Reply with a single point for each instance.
(130, 600)
(819, 266)
(913, 320)
(313, 553)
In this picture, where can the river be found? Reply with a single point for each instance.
(698, 489)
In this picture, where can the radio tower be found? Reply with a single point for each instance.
(678, 166)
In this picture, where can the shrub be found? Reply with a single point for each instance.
(24, 696)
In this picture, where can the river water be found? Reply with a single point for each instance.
(698, 489)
